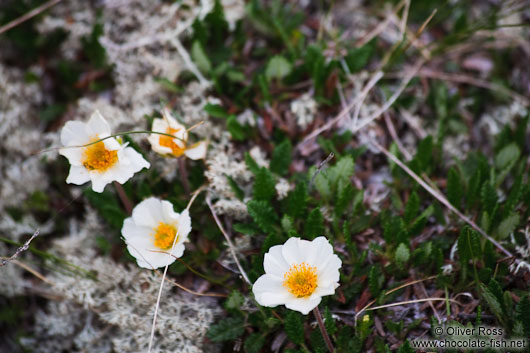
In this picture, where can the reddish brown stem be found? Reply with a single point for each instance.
(127, 204)
(323, 329)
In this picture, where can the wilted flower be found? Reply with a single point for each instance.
(298, 274)
(177, 146)
(101, 162)
(152, 230)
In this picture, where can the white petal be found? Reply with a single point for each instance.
(269, 291)
(291, 251)
(303, 305)
(168, 213)
(78, 175)
(184, 226)
(274, 263)
(74, 155)
(197, 151)
(99, 181)
(98, 125)
(74, 133)
(330, 271)
(111, 144)
(159, 125)
(148, 213)
(131, 230)
(147, 255)
(137, 161)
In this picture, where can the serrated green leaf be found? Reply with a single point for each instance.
(492, 301)
(345, 195)
(253, 343)
(522, 311)
(374, 282)
(318, 344)
(406, 348)
(412, 208)
(323, 186)
(314, 226)
(251, 164)
(402, 253)
(343, 170)
(277, 68)
(454, 188)
(469, 245)
(281, 158)
(263, 214)
(507, 156)
(296, 201)
(240, 194)
(108, 206)
(234, 301)
(227, 329)
(200, 58)
(488, 197)
(294, 327)
(329, 323)
(264, 185)
(508, 225)
(246, 228)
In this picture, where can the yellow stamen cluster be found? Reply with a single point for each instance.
(167, 141)
(97, 157)
(164, 236)
(301, 280)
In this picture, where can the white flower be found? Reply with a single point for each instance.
(177, 146)
(298, 274)
(151, 231)
(102, 162)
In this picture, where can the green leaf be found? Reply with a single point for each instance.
(108, 206)
(200, 58)
(454, 188)
(469, 245)
(287, 223)
(402, 253)
(329, 323)
(251, 164)
(508, 225)
(374, 281)
(358, 58)
(343, 170)
(277, 68)
(263, 214)
(296, 201)
(281, 158)
(264, 185)
(253, 343)
(507, 156)
(406, 348)
(234, 301)
(314, 226)
(412, 208)
(323, 186)
(492, 301)
(294, 327)
(245, 228)
(234, 127)
(216, 111)
(227, 329)
(240, 194)
(488, 197)
(523, 314)
(345, 195)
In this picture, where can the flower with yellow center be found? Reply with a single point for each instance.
(178, 146)
(153, 229)
(101, 162)
(298, 274)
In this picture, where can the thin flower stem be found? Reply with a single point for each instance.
(323, 329)
(123, 198)
(28, 15)
(230, 244)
